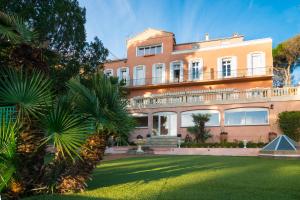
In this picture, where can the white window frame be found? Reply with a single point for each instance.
(127, 72)
(163, 75)
(200, 112)
(139, 81)
(149, 46)
(246, 110)
(109, 70)
(173, 128)
(200, 68)
(141, 115)
(172, 71)
(250, 69)
(233, 68)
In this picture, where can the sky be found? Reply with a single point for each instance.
(113, 21)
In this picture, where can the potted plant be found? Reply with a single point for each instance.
(272, 136)
(223, 136)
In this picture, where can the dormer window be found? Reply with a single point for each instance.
(149, 50)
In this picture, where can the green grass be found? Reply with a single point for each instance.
(192, 177)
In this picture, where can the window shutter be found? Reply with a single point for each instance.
(163, 73)
(171, 73)
(219, 68)
(181, 72)
(249, 65)
(144, 75)
(119, 73)
(190, 70)
(234, 71)
(134, 75)
(263, 63)
(153, 74)
(201, 70)
(127, 75)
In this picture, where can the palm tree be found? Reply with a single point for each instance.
(101, 102)
(31, 94)
(19, 46)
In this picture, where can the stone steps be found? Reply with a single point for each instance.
(162, 141)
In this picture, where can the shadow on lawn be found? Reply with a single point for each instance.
(157, 167)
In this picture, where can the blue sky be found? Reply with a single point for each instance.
(115, 20)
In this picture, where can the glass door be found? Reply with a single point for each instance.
(165, 124)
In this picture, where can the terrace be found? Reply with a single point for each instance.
(219, 96)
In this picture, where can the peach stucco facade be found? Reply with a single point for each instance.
(156, 65)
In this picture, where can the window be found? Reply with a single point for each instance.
(196, 69)
(149, 50)
(123, 74)
(226, 67)
(158, 73)
(176, 71)
(165, 124)
(247, 116)
(139, 75)
(256, 64)
(141, 121)
(187, 119)
(108, 72)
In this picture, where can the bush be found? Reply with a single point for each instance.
(289, 123)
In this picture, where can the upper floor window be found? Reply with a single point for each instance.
(256, 63)
(227, 67)
(108, 72)
(149, 50)
(158, 73)
(176, 71)
(196, 69)
(139, 75)
(246, 116)
(123, 74)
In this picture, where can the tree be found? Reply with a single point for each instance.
(199, 130)
(101, 102)
(60, 23)
(285, 56)
(18, 46)
(31, 94)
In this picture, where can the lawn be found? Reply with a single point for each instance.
(192, 177)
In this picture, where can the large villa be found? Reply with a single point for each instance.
(229, 78)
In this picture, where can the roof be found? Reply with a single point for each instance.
(281, 143)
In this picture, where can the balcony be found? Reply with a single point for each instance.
(211, 97)
(196, 78)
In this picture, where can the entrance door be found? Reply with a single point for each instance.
(165, 124)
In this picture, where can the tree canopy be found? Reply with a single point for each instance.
(286, 55)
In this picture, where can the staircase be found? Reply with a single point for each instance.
(162, 141)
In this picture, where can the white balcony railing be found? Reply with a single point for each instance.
(221, 96)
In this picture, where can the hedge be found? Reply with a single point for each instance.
(222, 145)
(289, 123)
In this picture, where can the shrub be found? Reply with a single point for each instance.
(199, 130)
(289, 123)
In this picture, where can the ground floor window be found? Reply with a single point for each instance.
(246, 116)
(164, 124)
(141, 120)
(187, 119)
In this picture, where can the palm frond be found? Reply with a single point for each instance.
(8, 147)
(65, 129)
(30, 93)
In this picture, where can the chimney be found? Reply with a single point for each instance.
(235, 34)
(206, 37)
